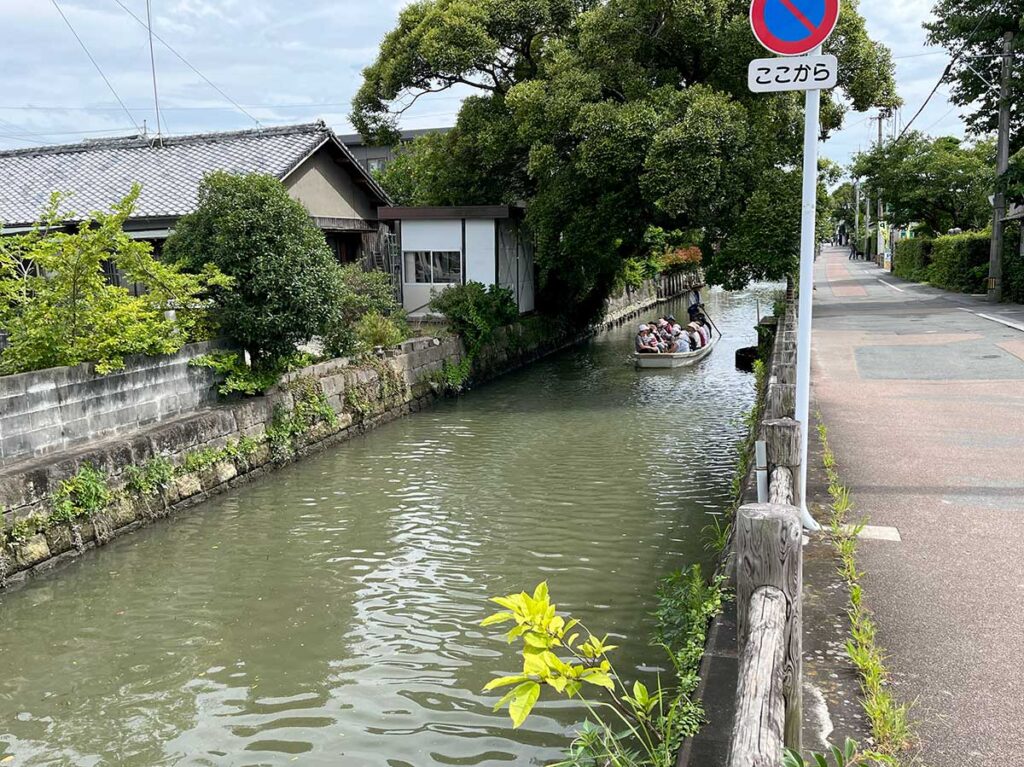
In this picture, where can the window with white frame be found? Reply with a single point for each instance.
(433, 267)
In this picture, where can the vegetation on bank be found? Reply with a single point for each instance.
(58, 307)
(894, 739)
(474, 313)
(601, 151)
(248, 265)
(629, 723)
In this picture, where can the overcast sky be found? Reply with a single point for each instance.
(287, 62)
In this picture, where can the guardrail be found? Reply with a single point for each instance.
(769, 579)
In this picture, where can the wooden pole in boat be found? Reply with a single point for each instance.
(711, 320)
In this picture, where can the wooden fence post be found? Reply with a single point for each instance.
(757, 739)
(769, 552)
(782, 436)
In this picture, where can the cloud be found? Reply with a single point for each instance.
(918, 68)
(286, 62)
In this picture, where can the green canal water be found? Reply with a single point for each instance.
(328, 614)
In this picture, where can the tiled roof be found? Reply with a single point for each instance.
(98, 173)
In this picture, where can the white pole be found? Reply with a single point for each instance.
(807, 244)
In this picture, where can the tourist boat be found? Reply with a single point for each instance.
(681, 360)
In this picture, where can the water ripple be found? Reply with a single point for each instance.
(330, 614)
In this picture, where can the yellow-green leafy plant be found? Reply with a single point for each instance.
(59, 307)
(628, 725)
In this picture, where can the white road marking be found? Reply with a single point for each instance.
(890, 285)
(873, 533)
(1014, 325)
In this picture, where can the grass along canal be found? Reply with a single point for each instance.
(329, 613)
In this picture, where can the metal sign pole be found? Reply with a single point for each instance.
(808, 239)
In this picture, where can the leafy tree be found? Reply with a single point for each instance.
(58, 307)
(940, 183)
(843, 203)
(286, 278)
(608, 118)
(975, 28)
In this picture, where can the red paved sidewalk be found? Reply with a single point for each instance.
(924, 400)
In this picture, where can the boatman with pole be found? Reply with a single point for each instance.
(795, 30)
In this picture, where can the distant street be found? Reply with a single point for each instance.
(924, 401)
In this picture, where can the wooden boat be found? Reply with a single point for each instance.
(681, 360)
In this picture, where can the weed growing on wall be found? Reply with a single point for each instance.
(151, 477)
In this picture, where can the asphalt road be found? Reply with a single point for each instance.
(924, 401)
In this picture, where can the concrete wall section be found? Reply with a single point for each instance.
(51, 410)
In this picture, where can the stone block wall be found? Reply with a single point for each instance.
(48, 411)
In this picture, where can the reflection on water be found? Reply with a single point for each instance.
(329, 614)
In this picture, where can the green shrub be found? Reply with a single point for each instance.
(239, 378)
(359, 294)
(81, 496)
(151, 477)
(285, 274)
(59, 308)
(1013, 266)
(475, 312)
(374, 329)
(911, 259)
(960, 261)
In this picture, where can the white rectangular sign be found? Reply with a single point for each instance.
(792, 73)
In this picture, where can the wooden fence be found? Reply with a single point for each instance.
(769, 578)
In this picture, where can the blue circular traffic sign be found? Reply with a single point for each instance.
(793, 27)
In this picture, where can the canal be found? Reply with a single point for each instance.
(328, 614)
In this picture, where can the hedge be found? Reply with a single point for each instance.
(1013, 265)
(960, 261)
(912, 258)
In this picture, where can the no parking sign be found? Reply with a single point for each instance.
(793, 27)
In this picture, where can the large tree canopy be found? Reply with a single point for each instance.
(608, 118)
(972, 31)
(940, 183)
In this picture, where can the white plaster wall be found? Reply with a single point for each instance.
(432, 235)
(480, 251)
(426, 235)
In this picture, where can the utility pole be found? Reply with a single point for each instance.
(867, 225)
(881, 211)
(856, 215)
(995, 264)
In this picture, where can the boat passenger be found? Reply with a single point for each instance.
(645, 341)
(706, 325)
(694, 329)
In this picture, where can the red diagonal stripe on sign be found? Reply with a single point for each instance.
(799, 16)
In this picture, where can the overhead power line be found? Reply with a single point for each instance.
(946, 71)
(186, 62)
(94, 63)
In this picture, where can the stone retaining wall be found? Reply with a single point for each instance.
(216, 448)
(48, 411)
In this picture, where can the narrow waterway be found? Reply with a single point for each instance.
(328, 614)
